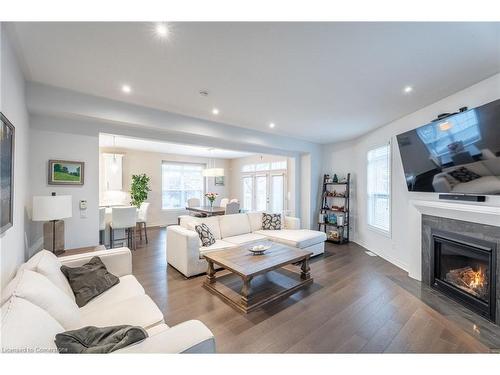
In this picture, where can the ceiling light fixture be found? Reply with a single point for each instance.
(215, 111)
(272, 125)
(407, 89)
(162, 29)
(126, 89)
(211, 170)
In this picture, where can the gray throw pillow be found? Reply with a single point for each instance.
(89, 280)
(271, 221)
(206, 237)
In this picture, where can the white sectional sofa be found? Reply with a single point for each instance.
(39, 303)
(185, 253)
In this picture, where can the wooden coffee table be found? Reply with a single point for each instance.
(276, 271)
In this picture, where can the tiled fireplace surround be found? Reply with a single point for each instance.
(462, 228)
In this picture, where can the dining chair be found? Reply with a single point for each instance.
(234, 200)
(102, 224)
(232, 208)
(224, 202)
(195, 202)
(142, 218)
(123, 218)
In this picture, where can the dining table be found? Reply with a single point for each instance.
(208, 210)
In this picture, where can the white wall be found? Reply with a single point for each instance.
(137, 162)
(351, 157)
(235, 176)
(46, 145)
(13, 246)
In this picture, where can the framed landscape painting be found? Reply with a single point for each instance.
(219, 181)
(64, 172)
(6, 173)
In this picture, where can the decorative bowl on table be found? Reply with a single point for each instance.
(259, 249)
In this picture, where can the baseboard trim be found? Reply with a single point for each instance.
(386, 257)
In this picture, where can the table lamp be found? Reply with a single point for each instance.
(52, 209)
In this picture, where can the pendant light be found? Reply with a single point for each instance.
(114, 166)
(211, 171)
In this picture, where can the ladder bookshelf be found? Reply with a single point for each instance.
(334, 211)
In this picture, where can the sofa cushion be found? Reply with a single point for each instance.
(128, 287)
(271, 221)
(218, 245)
(37, 289)
(211, 222)
(245, 238)
(48, 265)
(28, 328)
(89, 280)
(234, 225)
(300, 238)
(137, 311)
(255, 219)
(206, 236)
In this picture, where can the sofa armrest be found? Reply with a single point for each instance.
(118, 261)
(191, 336)
(183, 249)
(292, 222)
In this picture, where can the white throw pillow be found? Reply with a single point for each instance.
(39, 290)
(27, 328)
(48, 265)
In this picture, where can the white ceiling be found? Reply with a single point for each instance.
(108, 140)
(321, 82)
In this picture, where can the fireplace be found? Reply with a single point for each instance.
(464, 268)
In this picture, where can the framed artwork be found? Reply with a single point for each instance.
(6, 173)
(219, 181)
(64, 172)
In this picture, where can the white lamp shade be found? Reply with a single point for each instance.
(46, 208)
(213, 172)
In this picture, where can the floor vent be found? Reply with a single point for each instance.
(370, 253)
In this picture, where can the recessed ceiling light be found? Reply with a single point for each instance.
(272, 125)
(407, 89)
(215, 111)
(162, 29)
(126, 89)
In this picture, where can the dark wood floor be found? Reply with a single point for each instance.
(356, 304)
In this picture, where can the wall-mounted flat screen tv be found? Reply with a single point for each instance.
(458, 154)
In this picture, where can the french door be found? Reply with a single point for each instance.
(264, 192)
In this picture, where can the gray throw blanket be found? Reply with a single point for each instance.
(99, 339)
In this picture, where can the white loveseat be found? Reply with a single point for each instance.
(185, 253)
(39, 303)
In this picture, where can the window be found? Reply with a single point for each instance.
(181, 181)
(379, 188)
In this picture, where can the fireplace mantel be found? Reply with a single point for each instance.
(475, 213)
(481, 214)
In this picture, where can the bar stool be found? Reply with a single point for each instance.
(142, 216)
(123, 218)
(102, 224)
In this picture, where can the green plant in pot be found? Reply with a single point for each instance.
(139, 189)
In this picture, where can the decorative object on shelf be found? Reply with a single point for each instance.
(7, 132)
(321, 218)
(64, 172)
(139, 189)
(335, 213)
(52, 209)
(219, 180)
(211, 198)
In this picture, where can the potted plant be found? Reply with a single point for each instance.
(139, 189)
(211, 198)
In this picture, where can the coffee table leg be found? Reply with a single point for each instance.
(304, 275)
(245, 290)
(210, 272)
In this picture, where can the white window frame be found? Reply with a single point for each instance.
(204, 184)
(387, 233)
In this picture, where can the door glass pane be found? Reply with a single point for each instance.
(277, 193)
(261, 193)
(247, 193)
